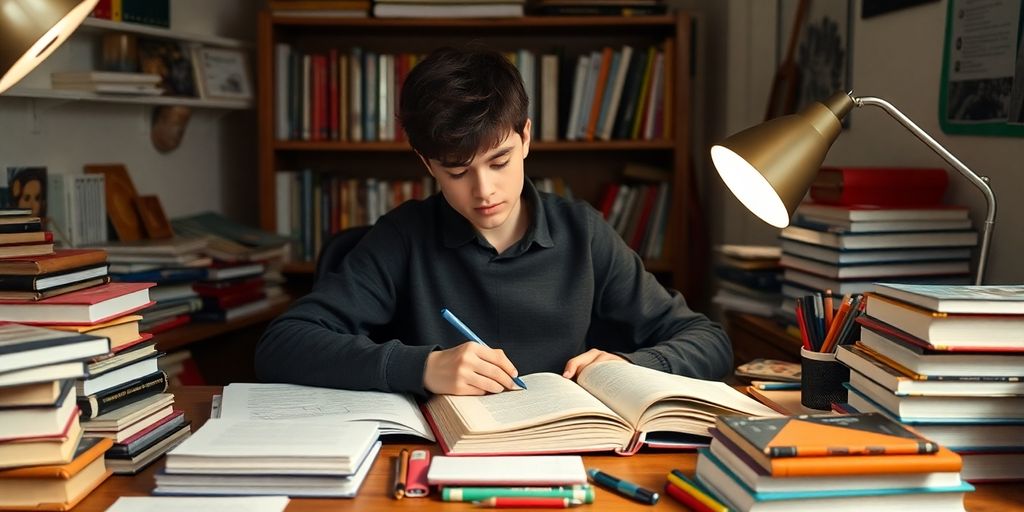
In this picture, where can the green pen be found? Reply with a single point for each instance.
(584, 493)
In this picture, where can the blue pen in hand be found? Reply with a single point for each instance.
(452, 319)
(623, 487)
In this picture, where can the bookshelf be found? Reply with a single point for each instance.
(586, 166)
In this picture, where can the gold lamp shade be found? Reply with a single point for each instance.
(770, 166)
(30, 30)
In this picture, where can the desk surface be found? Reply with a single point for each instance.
(647, 469)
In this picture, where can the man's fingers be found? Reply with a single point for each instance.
(497, 358)
(485, 382)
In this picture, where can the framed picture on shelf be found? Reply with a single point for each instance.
(170, 60)
(223, 73)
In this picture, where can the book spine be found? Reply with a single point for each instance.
(119, 396)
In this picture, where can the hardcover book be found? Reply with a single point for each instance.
(822, 435)
(611, 407)
(55, 487)
(54, 262)
(991, 299)
(895, 346)
(88, 306)
(946, 331)
(23, 346)
(900, 187)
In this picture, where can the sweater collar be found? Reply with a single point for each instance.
(457, 230)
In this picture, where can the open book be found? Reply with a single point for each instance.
(612, 406)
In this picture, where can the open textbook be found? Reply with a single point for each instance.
(396, 413)
(612, 406)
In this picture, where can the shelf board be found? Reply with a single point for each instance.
(299, 267)
(69, 95)
(477, 23)
(392, 146)
(149, 30)
(181, 337)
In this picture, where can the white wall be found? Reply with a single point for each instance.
(214, 168)
(896, 56)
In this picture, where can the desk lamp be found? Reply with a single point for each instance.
(770, 166)
(30, 30)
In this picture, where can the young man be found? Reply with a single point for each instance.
(546, 282)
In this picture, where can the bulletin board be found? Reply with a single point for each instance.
(982, 89)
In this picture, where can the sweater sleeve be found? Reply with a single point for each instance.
(665, 333)
(323, 339)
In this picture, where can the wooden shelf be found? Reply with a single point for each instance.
(166, 33)
(66, 95)
(188, 334)
(666, 21)
(402, 146)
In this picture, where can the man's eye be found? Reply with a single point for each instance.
(457, 176)
(499, 165)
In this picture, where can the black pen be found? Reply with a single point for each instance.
(623, 487)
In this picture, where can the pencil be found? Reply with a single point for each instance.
(802, 324)
(689, 501)
(467, 332)
(401, 473)
(681, 481)
(828, 308)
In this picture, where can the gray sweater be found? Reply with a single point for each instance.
(569, 285)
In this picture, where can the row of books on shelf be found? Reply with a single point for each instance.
(639, 214)
(750, 279)
(146, 12)
(352, 96)
(465, 9)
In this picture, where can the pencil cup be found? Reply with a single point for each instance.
(821, 379)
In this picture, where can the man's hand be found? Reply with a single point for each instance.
(469, 369)
(575, 365)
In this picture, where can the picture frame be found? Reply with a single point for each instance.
(223, 73)
(823, 51)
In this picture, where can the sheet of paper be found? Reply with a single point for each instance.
(514, 470)
(396, 413)
(245, 438)
(169, 504)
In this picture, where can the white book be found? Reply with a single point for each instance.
(283, 206)
(527, 64)
(112, 378)
(385, 91)
(37, 422)
(508, 470)
(113, 77)
(615, 97)
(285, 447)
(177, 504)
(579, 84)
(549, 97)
(394, 413)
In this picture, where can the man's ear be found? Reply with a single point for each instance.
(526, 137)
(426, 163)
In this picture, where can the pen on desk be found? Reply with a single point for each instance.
(584, 493)
(401, 469)
(693, 489)
(774, 386)
(452, 319)
(623, 487)
(527, 502)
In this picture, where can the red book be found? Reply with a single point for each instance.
(332, 96)
(610, 191)
(88, 306)
(233, 300)
(880, 186)
(228, 287)
(170, 324)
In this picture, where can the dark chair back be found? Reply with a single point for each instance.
(334, 251)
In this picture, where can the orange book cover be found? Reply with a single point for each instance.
(824, 435)
(55, 262)
(942, 461)
(87, 453)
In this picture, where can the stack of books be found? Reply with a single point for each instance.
(448, 8)
(828, 462)
(750, 279)
(948, 361)
(847, 248)
(108, 82)
(174, 264)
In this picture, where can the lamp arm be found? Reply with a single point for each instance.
(979, 181)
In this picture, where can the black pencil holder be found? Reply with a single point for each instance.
(821, 379)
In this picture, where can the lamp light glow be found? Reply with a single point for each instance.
(30, 30)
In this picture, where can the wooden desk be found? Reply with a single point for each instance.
(647, 469)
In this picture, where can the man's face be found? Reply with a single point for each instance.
(487, 191)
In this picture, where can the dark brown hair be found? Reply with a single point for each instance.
(456, 103)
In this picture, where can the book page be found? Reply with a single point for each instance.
(630, 390)
(396, 413)
(233, 504)
(548, 397)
